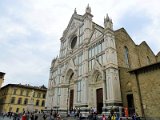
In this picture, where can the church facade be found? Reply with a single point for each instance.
(93, 66)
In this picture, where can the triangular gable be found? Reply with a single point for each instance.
(96, 34)
(74, 22)
(97, 67)
(158, 54)
(69, 66)
(74, 25)
(147, 46)
(122, 31)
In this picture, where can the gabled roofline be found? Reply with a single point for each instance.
(124, 30)
(145, 43)
(74, 16)
(98, 25)
(158, 54)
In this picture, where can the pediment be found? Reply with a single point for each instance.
(73, 26)
(70, 66)
(75, 21)
(97, 67)
(96, 34)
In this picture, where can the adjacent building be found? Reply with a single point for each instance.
(1, 78)
(146, 85)
(103, 68)
(15, 97)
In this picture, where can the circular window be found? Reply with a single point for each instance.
(73, 42)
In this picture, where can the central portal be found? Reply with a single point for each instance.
(71, 100)
(99, 94)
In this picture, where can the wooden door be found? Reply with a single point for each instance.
(99, 95)
(71, 99)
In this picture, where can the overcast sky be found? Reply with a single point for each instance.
(30, 31)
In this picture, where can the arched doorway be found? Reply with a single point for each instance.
(99, 91)
(70, 75)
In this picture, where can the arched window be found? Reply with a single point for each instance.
(43, 103)
(25, 101)
(70, 78)
(27, 93)
(73, 42)
(21, 93)
(12, 100)
(148, 60)
(44, 95)
(14, 92)
(19, 101)
(126, 56)
(37, 102)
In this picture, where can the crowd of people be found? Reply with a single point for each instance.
(113, 115)
(54, 115)
(19, 116)
(31, 116)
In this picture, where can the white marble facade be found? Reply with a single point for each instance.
(87, 62)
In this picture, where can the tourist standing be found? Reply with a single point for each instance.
(113, 117)
(24, 117)
(32, 116)
(44, 116)
(104, 117)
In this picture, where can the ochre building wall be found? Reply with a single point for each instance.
(150, 92)
(122, 40)
(7, 93)
(143, 52)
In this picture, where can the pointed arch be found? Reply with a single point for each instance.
(148, 60)
(70, 70)
(126, 56)
(94, 75)
(69, 75)
(97, 72)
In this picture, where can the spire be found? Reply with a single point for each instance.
(107, 17)
(88, 9)
(75, 11)
(108, 22)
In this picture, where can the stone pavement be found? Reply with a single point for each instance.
(5, 118)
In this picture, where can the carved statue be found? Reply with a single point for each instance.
(32, 95)
(30, 105)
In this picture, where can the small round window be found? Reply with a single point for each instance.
(73, 42)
